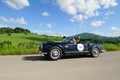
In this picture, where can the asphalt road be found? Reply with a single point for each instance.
(36, 67)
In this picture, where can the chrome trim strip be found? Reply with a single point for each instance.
(76, 51)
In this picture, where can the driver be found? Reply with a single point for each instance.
(77, 39)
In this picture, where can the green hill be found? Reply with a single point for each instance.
(94, 36)
(89, 36)
(20, 43)
(17, 38)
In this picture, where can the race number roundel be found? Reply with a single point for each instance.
(80, 47)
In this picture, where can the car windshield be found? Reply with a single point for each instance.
(68, 39)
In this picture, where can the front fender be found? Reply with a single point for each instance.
(50, 46)
(92, 45)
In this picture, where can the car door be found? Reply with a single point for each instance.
(71, 48)
(74, 47)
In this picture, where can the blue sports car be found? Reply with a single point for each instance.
(70, 45)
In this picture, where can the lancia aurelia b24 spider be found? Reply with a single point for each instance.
(55, 50)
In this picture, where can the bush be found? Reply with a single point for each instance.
(16, 30)
(9, 34)
(28, 45)
(5, 45)
(112, 47)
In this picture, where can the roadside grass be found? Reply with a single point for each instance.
(18, 51)
(112, 47)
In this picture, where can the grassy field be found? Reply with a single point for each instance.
(20, 43)
(21, 37)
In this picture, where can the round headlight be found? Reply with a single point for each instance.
(41, 46)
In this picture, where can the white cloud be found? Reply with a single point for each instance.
(20, 20)
(1, 25)
(45, 14)
(17, 4)
(2, 18)
(97, 23)
(78, 17)
(109, 13)
(72, 20)
(12, 20)
(111, 32)
(115, 29)
(50, 25)
(84, 9)
(97, 13)
(43, 32)
(107, 34)
(99, 33)
(51, 33)
(108, 3)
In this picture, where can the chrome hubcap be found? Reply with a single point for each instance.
(55, 53)
(95, 52)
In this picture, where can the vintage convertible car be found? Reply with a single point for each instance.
(55, 50)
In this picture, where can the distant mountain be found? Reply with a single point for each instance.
(88, 36)
(94, 36)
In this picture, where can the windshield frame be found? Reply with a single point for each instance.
(68, 39)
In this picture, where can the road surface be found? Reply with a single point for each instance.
(36, 67)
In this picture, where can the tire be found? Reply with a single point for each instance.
(55, 53)
(95, 52)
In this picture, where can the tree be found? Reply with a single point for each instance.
(6, 30)
(21, 30)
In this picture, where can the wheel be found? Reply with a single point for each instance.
(55, 53)
(95, 52)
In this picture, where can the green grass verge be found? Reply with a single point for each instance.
(112, 47)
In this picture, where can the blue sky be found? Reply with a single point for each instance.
(62, 17)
